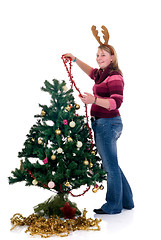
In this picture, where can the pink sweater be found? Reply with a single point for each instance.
(110, 88)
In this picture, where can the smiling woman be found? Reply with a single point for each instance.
(104, 58)
(106, 121)
(107, 55)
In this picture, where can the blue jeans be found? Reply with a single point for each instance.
(119, 194)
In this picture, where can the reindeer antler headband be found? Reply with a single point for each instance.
(106, 37)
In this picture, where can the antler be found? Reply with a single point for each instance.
(95, 33)
(105, 35)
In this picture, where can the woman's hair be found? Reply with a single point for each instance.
(111, 51)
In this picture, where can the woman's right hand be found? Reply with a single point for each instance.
(69, 55)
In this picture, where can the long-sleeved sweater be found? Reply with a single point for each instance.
(108, 85)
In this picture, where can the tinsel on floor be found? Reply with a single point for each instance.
(47, 227)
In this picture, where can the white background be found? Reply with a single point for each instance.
(34, 35)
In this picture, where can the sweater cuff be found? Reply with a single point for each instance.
(112, 104)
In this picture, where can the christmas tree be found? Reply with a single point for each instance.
(58, 154)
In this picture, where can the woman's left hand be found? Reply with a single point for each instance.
(87, 98)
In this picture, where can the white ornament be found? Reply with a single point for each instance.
(59, 150)
(35, 182)
(65, 88)
(50, 123)
(72, 124)
(51, 184)
(49, 144)
(79, 144)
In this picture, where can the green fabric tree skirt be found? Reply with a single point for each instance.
(52, 206)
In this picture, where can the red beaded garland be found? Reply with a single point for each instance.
(73, 83)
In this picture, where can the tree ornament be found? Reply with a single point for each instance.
(45, 161)
(86, 162)
(93, 152)
(101, 187)
(51, 184)
(33, 140)
(67, 184)
(68, 211)
(91, 172)
(65, 88)
(58, 131)
(21, 165)
(65, 122)
(77, 106)
(68, 108)
(69, 139)
(53, 157)
(40, 141)
(50, 123)
(59, 150)
(34, 182)
(94, 190)
(49, 144)
(72, 124)
(43, 113)
(79, 144)
(91, 165)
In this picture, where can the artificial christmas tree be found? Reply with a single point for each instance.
(58, 154)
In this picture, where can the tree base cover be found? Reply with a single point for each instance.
(52, 206)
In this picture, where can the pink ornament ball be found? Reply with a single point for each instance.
(51, 184)
(65, 122)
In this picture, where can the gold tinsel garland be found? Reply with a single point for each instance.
(47, 227)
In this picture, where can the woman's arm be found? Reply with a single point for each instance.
(114, 101)
(88, 98)
(86, 68)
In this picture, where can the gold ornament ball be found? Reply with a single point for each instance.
(69, 139)
(40, 141)
(43, 113)
(77, 106)
(67, 184)
(53, 157)
(101, 187)
(58, 131)
(86, 162)
(72, 124)
(94, 190)
(93, 152)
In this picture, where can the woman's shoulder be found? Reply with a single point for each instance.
(114, 77)
(115, 72)
(93, 73)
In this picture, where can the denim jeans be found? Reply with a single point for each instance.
(119, 194)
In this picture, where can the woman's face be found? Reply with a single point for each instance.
(103, 58)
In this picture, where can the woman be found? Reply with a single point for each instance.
(107, 125)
